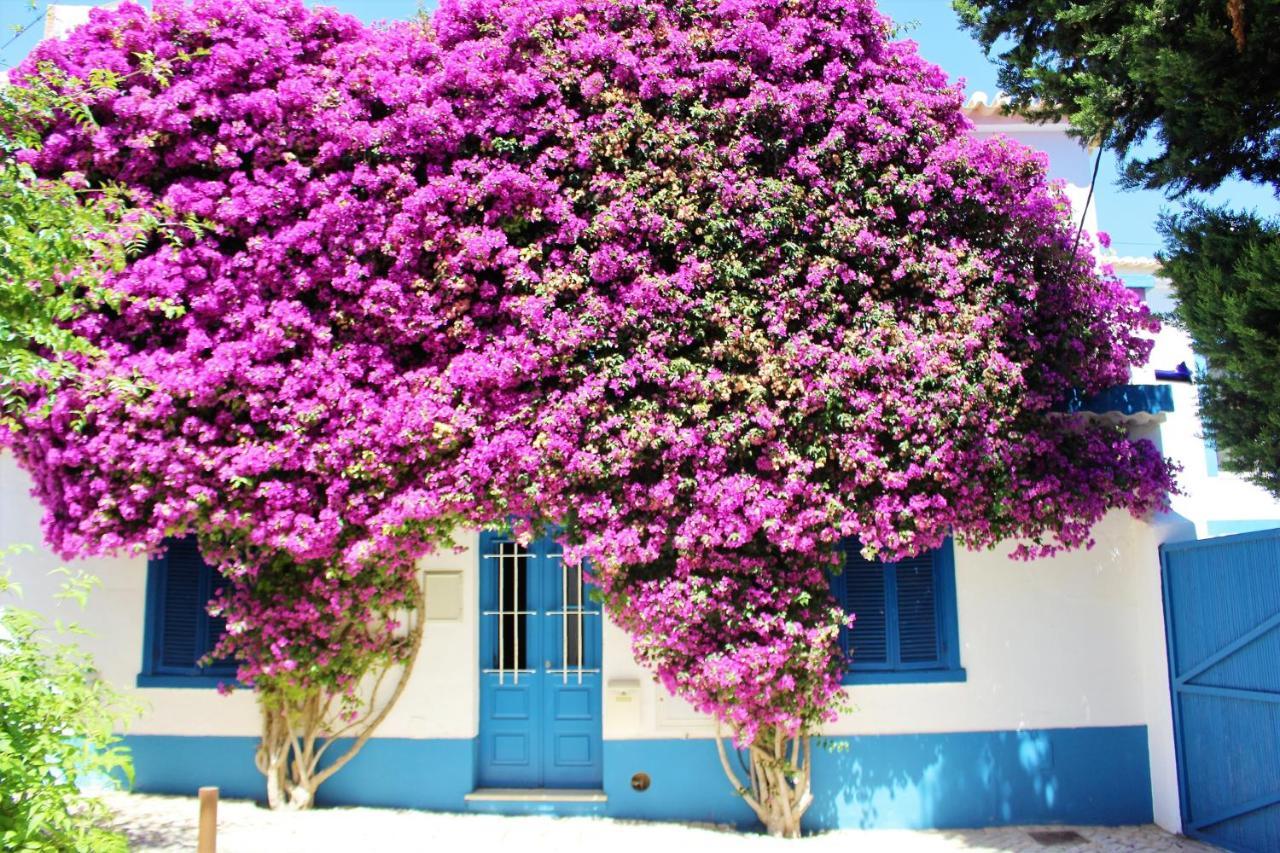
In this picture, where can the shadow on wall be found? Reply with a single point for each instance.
(971, 779)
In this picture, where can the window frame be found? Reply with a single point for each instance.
(947, 668)
(154, 673)
(1212, 456)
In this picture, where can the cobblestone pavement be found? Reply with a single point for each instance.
(164, 824)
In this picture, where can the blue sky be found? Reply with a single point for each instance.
(1129, 216)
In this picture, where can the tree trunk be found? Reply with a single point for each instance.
(299, 728)
(780, 791)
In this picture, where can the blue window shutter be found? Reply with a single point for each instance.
(179, 630)
(865, 597)
(181, 643)
(917, 610)
(906, 627)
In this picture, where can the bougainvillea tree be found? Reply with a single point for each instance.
(268, 380)
(713, 285)
(778, 296)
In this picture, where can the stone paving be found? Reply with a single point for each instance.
(168, 824)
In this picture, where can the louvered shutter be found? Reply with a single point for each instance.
(215, 626)
(183, 630)
(917, 610)
(865, 598)
(182, 607)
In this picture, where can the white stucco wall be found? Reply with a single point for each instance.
(1207, 497)
(1053, 643)
(1073, 641)
(1049, 644)
(1069, 642)
(114, 618)
(439, 702)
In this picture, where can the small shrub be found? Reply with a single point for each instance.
(57, 722)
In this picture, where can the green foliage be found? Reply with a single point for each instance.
(57, 240)
(1225, 270)
(1127, 70)
(52, 245)
(56, 731)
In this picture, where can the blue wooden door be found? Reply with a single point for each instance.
(540, 638)
(1222, 614)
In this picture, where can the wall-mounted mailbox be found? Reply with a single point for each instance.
(623, 695)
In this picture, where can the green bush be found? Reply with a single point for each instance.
(1225, 271)
(57, 722)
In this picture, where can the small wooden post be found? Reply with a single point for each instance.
(208, 839)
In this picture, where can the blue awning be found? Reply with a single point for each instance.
(1126, 401)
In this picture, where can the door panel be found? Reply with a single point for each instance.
(540, 647)
(1222, 615)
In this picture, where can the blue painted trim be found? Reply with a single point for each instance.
(945, 566)
(1136, 281)
(409, 773)
(198, 682)
(1221, 541)
(1171, 651)
(1126, 399)
(1206, 651)
(1210, 456)
(1097, 776)
(1236, 526)
(686, 783)
(150, 618)
(1210, 446)
(528, 736)
(397, 772)
(1181, 373)
(908, 676)
(175, 764)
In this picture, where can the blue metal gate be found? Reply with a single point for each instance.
(1222, 614)
(540, 645)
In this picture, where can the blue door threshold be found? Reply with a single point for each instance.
(536, 795)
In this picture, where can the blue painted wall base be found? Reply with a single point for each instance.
(958, 779)
(393, 772)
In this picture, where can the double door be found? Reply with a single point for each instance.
(540, 683)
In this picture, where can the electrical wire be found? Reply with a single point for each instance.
(1088, 200)
(17, 35)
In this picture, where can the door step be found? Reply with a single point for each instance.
(536, 795)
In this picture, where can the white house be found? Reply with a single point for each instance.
(1031, 693)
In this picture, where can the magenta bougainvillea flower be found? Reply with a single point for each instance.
(773, 294)
(712, 285)
(270, 382)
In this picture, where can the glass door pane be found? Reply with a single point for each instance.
(512, 648)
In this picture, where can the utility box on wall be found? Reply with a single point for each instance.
(443, 591)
